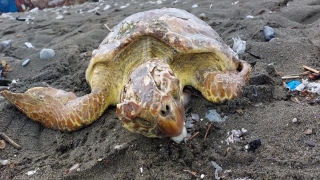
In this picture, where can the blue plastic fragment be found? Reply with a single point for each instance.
(293, 84)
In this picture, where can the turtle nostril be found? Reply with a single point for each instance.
(165, 111)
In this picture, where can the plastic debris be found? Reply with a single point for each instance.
(181, 137)
(236, 135)
(202, 176)
(291, 85)
(32, 172)
(253, 145)
(239, 46)
(194, 6)
(250, 17)
(93, 10)
(195, 117)
(268, 32)
(213, 116)
(218, 169)
(121, 146)
(5, 44)
(29, 45)
(313, 87)
(125, 6)
(59, 17)
(107, 7)
(75, 167)
(34, 10)
(25, 62)
(4, 162)
(47, 53)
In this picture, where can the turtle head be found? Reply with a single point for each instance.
(152, 101)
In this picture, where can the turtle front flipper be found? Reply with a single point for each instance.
(58, 109)
(219, 86)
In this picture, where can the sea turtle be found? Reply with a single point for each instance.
(141, 67)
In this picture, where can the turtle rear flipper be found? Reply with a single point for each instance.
(58, 109)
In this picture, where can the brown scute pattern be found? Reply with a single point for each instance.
(57, 109)
(151, 87)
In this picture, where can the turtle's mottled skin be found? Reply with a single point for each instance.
(142, 67)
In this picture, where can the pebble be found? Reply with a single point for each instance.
(47, 53)
(4, 162)
(308, 131)
(294, 120)
(194, 6)
(59, 17)
(311, 143)
(25, 62)
(203, 16)
(5, 44)
(268, 33)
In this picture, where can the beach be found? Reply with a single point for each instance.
(286, 124)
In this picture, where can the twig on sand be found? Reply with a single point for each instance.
(191, 172)
(205, 136)
(193, 135)
(290, 77)
(106, 25)
(311, 69)
(10, 141)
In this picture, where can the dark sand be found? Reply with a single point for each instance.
(284, 153)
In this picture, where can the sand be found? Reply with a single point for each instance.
(284, 153)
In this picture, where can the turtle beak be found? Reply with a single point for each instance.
(170, 120)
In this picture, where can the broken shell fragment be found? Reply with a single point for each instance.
(2, 144)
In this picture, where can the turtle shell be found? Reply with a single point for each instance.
(177, 28)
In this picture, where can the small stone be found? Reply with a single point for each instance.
(5, 44)
(294, 120)
(25, 62)
(311, 143)
(203, 16)
(47, 53)
(308, 131)
(59, 17)
(268, 33)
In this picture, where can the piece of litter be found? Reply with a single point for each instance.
(234, 3)
(213, 116)
(4, 162)
(121, 146)
(125, 6)
(141, 170)
(218, 169)
(25, 62)
(239, 46)
(59, 17)
(34, 10)
(202, 176)
(29, 173)
(29, 45)
(107, 7)
(249, 16)
(47, 53)
(73, 168)
(94, 9)
(291, 85)
(194, 6)
(181, 137)
(195, 117)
